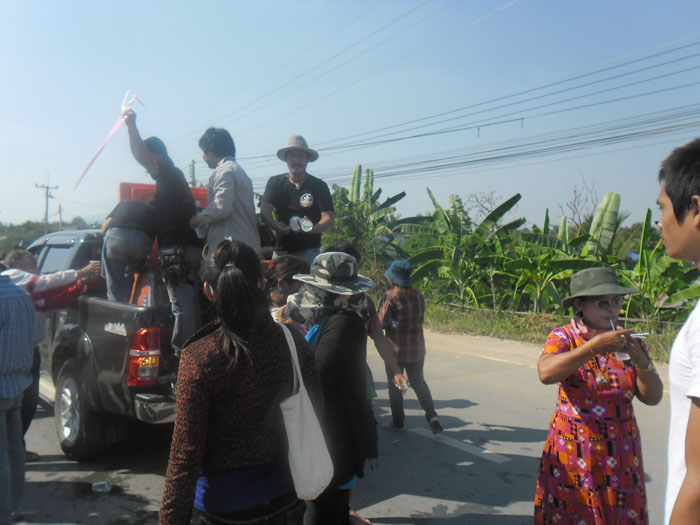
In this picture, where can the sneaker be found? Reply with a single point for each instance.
(435, 425)
(393, 428)
(30, 456)
(356, 519)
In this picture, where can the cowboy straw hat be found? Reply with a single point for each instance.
(336, 272)
(297, 142)
(593, 282)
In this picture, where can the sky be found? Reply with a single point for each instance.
(463, 97)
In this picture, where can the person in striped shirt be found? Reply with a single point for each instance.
(16, 344)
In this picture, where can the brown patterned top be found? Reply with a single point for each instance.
(229, 418)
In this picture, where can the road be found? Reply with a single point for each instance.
(482, 469)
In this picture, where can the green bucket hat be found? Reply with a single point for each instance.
(336, 272)
(595, 281)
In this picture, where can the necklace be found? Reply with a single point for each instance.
(600, 377)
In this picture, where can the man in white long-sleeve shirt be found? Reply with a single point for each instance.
(231, 209)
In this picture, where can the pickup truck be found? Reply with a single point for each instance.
(103, 362)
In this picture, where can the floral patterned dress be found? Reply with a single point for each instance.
(591, 470)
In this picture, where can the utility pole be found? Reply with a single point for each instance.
(60, 218)
(48, 196)
(193, 181)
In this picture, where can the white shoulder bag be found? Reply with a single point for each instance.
(309, 459)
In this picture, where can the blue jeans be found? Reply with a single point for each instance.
(308, 255)
(11, 457)
(184, 302)
(123, 251)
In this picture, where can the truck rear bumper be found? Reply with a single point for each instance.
(154, 408)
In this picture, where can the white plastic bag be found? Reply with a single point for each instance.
(309, 459)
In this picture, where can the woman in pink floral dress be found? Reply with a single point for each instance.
(591, 472)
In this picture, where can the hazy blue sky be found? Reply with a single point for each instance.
(330, 70)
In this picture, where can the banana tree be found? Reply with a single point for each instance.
(460, 253)
(365, 220)
(537, 267)
(663, 283)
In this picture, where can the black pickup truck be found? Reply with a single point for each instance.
(103, 362)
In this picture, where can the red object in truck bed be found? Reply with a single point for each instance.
(143, 192)
(143, 290)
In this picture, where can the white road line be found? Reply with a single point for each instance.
(461, 445)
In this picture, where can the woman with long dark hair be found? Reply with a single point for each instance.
(228, 459)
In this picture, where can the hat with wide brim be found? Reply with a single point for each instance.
(336, 272)
(297, 142)
(593, 282)
(399, 272)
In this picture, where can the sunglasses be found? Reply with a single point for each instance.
(605, 304)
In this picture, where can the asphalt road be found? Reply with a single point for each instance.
(482, 469)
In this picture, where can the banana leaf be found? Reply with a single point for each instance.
(434, 252)
(355, 184)
(563, 233)
(686, 294)
(392, 200)
(496, 215)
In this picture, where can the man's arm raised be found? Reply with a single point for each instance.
(687, 507)
(138, 148)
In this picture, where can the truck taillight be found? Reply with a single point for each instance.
(144, 357)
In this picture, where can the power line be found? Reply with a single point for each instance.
(474, 125)
(387, 66)
(519, 93)
(316, 66)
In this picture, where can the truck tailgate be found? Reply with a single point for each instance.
(110, 328)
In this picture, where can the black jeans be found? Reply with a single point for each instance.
(332, 507)
(30, 397)
(286, 510)
(414, 371)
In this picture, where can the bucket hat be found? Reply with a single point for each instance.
(297, 142)
(595, 281)
(399, 272)
(336, 272)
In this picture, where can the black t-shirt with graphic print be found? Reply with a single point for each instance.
(310, 199)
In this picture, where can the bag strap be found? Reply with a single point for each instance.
(298, 380)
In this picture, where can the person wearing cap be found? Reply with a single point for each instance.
(331, 299)
(679, 201)
(230, 212)
(296, 205)
(591, 469)
(401, 312)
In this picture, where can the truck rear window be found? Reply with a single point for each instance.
(55, 258)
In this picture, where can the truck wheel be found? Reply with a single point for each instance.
(80, 432)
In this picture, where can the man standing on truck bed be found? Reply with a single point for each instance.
(231, 209)
(180, 249)
(16, 342)
(302, 203)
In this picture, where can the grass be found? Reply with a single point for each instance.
(528, 327)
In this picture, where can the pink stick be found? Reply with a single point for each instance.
(118, 124)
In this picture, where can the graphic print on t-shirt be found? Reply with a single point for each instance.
(306, 200)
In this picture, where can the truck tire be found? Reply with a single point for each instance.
(81, 433)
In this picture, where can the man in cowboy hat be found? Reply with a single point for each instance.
(301, 202)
